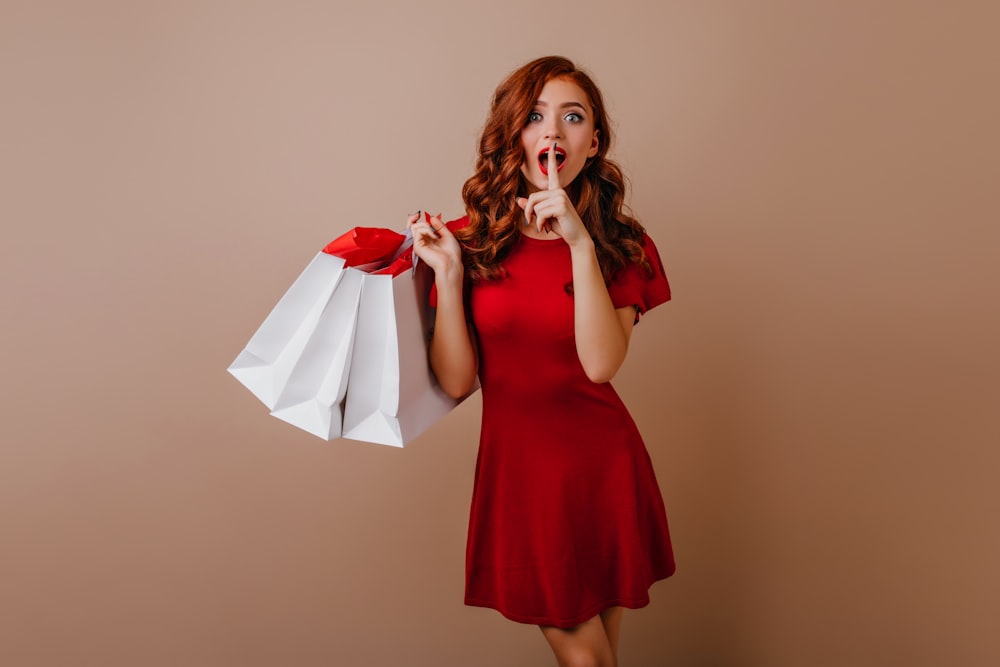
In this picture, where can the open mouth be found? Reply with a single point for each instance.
(543, 160)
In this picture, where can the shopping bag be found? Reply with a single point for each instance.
(266, 363)
(392, 395)
(313, 397)
(298, 361)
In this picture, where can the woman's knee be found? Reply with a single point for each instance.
(586, 645)
(586, 656)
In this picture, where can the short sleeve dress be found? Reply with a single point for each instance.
(567, 519)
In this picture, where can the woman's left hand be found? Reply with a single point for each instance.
(552, 210)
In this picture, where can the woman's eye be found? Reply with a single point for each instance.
(534, 117)
(574, 117)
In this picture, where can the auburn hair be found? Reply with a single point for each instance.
(597, 193)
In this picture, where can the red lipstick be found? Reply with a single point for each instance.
(543, 159)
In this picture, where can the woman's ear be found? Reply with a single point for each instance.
(594, 144)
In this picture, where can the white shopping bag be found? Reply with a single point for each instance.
(298, 361)
(392, 395)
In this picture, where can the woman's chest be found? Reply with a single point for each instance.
(533, 302)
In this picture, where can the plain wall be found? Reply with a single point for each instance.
(820, 399)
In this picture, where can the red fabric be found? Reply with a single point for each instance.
(400, 264)
(364, 245)
(372, 245)
(567, 518)
(635, 287)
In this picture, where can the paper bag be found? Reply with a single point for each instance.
(267, 361)
(297, 362)
(313, 397)
(344, 352)
(392, 395)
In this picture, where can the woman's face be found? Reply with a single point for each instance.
(562, 115)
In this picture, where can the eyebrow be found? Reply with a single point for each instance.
(564, 105)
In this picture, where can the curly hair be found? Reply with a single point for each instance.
(598, 193)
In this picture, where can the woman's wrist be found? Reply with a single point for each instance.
(449, 276)
(583, 247)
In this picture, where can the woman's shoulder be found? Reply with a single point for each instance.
(458, 223)
(652, 255)
(639, 286)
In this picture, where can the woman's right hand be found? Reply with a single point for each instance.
(436, 246)
(453, 356)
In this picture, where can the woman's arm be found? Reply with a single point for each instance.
(602, 331)
(453, 355)
(453, 350)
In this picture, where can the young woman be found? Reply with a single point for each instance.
(537, 291)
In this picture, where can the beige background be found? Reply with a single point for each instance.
(820, 400)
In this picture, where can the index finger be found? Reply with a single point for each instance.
(553, 168)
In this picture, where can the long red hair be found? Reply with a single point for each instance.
(598, 192)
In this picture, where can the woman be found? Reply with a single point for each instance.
(537, 292)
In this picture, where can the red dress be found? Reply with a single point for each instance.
(567, 518)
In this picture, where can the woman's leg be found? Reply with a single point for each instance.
(586, 645)
(612, 621)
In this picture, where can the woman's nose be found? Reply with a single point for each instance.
(553, 129)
